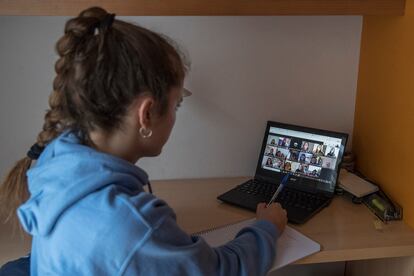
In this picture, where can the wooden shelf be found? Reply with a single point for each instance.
(204, 7)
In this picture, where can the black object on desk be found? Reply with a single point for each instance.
(383, 207)
(313, 156)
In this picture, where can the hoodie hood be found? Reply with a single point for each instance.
(65, 173)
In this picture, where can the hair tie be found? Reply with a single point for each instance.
(107, 21)
(35, 151)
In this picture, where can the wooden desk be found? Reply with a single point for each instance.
(344, 230)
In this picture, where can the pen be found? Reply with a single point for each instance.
(279, 189)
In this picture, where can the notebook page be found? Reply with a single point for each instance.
(291, 246)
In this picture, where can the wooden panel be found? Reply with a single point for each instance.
(381, 267)
(386, 64)
(204, 7)
(325, 269)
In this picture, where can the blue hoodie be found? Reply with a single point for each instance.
(89, 215)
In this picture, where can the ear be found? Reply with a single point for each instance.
(146, 112)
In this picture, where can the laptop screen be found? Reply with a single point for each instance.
(311, 155)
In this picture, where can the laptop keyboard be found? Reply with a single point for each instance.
(287, 198)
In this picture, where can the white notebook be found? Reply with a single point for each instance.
(291, 245)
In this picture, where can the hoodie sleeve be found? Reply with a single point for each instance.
(170, 251)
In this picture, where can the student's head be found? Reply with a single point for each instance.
(305, 146)
(111, 77)
(302, 157)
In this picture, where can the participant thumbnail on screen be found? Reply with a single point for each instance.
(307, 146)
(296, 143)
(314, 171)
(287, 166)
(305, 157)
(278, 163)
(293, 155)
(316, 160)
(274, 164)
(282, 153)
(267, 162)
(318, 149)
(272, 140)
(299, 168)
(328, 163)
(284, 142)
(270, 151)
(332, 151)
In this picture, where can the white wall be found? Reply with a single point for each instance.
(245, 71)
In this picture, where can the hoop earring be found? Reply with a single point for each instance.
(145, 133)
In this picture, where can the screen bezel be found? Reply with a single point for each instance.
(275, 177)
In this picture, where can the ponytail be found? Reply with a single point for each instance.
(13, 190)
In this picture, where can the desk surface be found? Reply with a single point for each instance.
(344, 230)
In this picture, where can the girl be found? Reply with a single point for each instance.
(114, 100)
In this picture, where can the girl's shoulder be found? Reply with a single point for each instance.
(148, 208)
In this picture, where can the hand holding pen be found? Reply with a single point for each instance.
(274, 212)
(279, 189)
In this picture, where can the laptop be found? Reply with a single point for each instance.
(312, 157)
